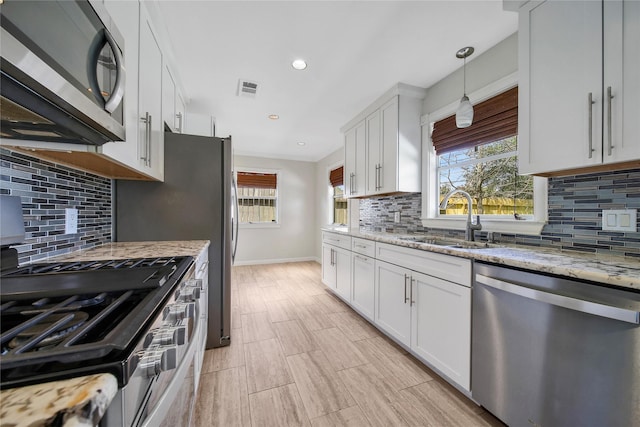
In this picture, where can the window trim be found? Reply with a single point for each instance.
(430, 213)
(278, 197)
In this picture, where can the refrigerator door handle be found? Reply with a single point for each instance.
(235, 220)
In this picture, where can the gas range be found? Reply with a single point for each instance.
(131, 318)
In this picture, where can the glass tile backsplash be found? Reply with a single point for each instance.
(575, 214)
(46, 190)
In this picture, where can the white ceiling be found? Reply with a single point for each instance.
(356, 50)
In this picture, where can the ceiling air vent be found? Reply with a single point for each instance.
(247, 88)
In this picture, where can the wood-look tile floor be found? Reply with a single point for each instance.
(301, 357)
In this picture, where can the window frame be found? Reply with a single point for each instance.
(330, 198)
(278, 197)
(430, 193)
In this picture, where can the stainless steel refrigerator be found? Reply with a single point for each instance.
(196, 201)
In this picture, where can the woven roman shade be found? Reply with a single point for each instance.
(257, 180)
(336, 176)
(494, 119)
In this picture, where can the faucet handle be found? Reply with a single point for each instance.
(477, 225)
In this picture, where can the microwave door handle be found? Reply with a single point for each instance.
(118, 91)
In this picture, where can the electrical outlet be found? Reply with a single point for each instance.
(70, 221)
(619, 220)
(396, 217)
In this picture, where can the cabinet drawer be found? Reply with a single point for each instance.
(335, 239)
(451, 268)
(363, 246)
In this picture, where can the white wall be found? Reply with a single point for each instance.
(499, 61)
(294, 238)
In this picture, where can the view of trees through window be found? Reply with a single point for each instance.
(339, 205)
(489, 173)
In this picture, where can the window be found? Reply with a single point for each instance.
(482, 161)
(336, 180)
(257, 197)
(489, 173)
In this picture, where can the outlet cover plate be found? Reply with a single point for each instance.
(70, 221)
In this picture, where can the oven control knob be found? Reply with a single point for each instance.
(189, 294)
(195, 283)
(158, 359)
(173, 335)
(176, 312)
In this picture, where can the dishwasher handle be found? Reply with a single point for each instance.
(602, 310)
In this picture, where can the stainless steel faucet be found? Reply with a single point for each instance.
(471, 227)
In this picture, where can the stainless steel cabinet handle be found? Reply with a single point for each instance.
(146, 122)
(602, 310)
(332, 261)
(609, 141)
(179, 117)
(118, 91)
(377, 186)
(406, 276)
(411, 301)
(591, 102)
(379, 177)
(355, 184)
(149, 143)
(362, 258)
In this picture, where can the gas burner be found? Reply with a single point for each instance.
(51, 330)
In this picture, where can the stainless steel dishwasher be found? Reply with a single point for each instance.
(551, 351)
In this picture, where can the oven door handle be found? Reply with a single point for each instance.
(576, 304)
(172, 392)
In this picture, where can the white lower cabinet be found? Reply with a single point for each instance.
(441, 326)
(336, 270)
(363, 275)
(392, 301)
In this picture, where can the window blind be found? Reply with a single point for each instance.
(494, 119)
(336, 176)
(257, 180)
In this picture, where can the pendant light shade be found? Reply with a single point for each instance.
(464, 113)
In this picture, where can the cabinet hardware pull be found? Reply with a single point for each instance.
(145, 120)
(149, 143)
(379, 177)
(591, 102)
(362, 258)
(411, 301)
(179, 116)
(609, 142)
(405, 288)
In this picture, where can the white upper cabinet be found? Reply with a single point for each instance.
(200, 124)
(150, 127)
(579, 96)
(355, 162)
(168, 99)
(383, 145)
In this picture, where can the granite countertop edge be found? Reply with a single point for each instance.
(606, 269)
(146, 249)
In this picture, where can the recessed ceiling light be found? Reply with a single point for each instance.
(299, 64)
(301, 143)
(274, 116)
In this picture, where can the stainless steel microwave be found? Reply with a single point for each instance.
(63, 73)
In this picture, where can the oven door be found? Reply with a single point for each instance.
(175, 403)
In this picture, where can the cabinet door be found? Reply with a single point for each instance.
(363, 275)
(373, 141)
(560, 67)
(328, 266)
(392, 308)
(342, 259)
(621, 71)
(168, 99)
(389, 147)
(151, 135)
(441, 326)
(355, 161)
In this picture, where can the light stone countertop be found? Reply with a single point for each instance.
(607, 269)
(78, 402)
(123, 250)
(82, 401)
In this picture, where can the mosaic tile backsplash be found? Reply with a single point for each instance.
(46, 190)
(575, 214)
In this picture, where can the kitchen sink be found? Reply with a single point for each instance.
(450, 243)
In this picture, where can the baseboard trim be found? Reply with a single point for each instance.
(275, 261)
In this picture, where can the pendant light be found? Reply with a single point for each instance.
(464, 113)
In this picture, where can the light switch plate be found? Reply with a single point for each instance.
(396, 217)
(620, 220)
